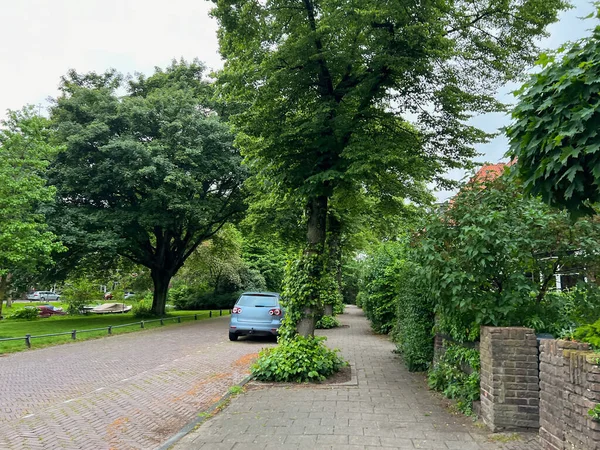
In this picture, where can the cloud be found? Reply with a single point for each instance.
(42, 39)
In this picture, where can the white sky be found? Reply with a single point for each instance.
(41, 39)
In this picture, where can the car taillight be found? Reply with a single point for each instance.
(275, 312)
(236, 310)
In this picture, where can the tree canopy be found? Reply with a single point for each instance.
(25, 242)
(554, 134)
(148, 175)
(329, 90)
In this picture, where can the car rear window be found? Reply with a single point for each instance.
(257, 300)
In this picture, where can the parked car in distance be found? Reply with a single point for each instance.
(50, 310)
(256, 313)
(128, 295)
(42, 296)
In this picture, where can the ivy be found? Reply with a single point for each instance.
(456, 376)
(327, 322)
(307, 286)
(299, 359)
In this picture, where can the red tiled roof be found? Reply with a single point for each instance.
(489, 172)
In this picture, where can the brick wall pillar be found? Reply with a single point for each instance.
(509, 378)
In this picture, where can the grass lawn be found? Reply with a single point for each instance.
(10, 328)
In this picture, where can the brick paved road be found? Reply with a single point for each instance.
(386, 407)
(128, 391)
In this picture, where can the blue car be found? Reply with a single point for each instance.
(255, 313)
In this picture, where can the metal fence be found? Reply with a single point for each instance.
(109, 329)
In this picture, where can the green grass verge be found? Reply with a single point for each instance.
(10, 328)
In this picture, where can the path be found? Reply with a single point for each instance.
(385, 406)
(129, 391)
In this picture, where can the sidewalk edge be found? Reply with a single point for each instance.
(198, 420)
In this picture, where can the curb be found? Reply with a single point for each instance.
(199, 420)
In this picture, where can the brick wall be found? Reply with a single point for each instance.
(509, 378)
(569, 387)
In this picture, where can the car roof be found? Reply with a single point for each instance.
(265, 294)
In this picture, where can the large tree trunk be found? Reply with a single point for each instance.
(161, 279)
(316, 234)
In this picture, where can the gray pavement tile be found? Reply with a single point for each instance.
(304, 441)
(364, 440)
(390, 408)
(330, 439)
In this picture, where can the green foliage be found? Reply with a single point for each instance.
(26, 244)
(305, 285)
(79, 292)
(319, 92)
(143, 308)
(582, 303)
(413, 330)
(491, 259)
(456, 375)
(381, 284)
(594, 413)
(298, 359)
(553, 134)
(154, 172)
(327, 322)
(28, 313)
(339, 307)
(589, 333)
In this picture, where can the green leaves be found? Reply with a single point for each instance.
(25, 152)
(300, 359)
(554, 132)
(148, 175)
(492, 257)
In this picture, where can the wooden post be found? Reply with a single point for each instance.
(178, 319)
(28, 340)
(195, 316)
(74, 334)
(162, 322)
(142, 324)
(210, 313)
(220, 312)
(110, 329)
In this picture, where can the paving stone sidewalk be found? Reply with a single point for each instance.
(384, 406)
(129, 391)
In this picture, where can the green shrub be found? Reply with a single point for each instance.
(297, 359)
(338, 308)
(143, 308)
(589, 333)
(29, 313)
(413, 331)
(194, 298)
(456, 376)
(79, 292)
(381, 285)
(327, 322)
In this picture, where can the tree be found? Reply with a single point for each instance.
(554, 131)
(492, 257)
(327, 87)
(25, 242)
(149, 175)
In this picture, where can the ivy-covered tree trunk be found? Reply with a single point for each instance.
(316, 235)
